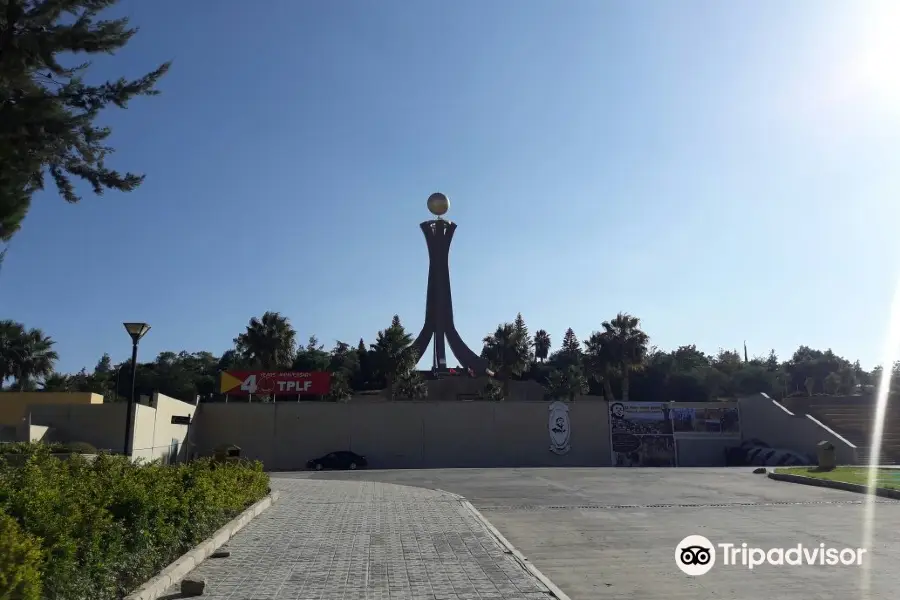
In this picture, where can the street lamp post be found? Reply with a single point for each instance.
(136, 331)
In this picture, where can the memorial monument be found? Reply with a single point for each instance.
(439, 324)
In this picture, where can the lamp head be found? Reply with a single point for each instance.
(136, 330)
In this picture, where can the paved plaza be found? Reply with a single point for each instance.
(611, 533)
(596, 533)
(334, 540)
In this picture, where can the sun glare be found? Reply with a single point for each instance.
(874, 70)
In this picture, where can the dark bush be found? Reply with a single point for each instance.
(79, 448)
(109, 525)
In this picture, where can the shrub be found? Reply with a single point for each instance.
(20, 562)
(79, 448)
(29, 448)
(107, 526)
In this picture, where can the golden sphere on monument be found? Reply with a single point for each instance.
(438, 204)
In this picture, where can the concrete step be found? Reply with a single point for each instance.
(890, 453)
(869, 415)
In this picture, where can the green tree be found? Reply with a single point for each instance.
(809, 383)
(627, 347)
(340, 389)
(231, 360)
(600, 362)
(688, 358)
(104, 376)
(492, 391)
(313, 357)
(48, 112)
(728, 362)
(182, 375)
(26, 355)
(11, 335)
(816, 365)
(832, 383)
(524, 337)
(393, 355)
(343, 363)
(506, 353)
(541, 345)
(411, 386)
(571, 347)
(567, 383)
(753, 379)
(268, 343)
(56, 382)
(365, 375)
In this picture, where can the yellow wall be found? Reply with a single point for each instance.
(13, 405)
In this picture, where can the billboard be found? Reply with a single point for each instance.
(275, 383)
(723, 421)
(641, 434)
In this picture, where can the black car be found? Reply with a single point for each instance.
(338, 460)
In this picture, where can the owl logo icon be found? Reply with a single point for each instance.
(695, 555)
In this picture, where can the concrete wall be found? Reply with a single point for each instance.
(765, 419)
(8, 433)
(103, 426)
(405, 434)
(167, 441)
(14, 405)
(706, 451)
(431, 433)
(37, 433)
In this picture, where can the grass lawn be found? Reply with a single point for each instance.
(886, 478)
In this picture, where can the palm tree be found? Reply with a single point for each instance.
(11, 334)
(598, 362)
(507, 353)
(627, 346)
(541, 344)
(393, 354)
(25, 355)
(269, 342)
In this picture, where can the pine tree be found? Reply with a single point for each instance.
(365, 374)
(104, 365)
(48, 112)
(393, 355)
(525, 340)
(570, 352)
(570, 343)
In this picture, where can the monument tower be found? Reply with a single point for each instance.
(439, 324)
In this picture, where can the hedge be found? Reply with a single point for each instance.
(54, 447)
(97, 530)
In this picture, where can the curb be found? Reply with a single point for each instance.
(159, 585)
(518, 556)
(835, 485)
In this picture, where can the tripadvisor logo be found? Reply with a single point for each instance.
(695, 555)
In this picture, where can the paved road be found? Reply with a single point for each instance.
(341, 540)
(611, 533)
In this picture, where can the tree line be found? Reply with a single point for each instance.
(617, 362)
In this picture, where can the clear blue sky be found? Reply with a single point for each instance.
(723, 170)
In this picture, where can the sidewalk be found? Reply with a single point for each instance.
(349, 540)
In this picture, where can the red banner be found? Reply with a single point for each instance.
(266, 383)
